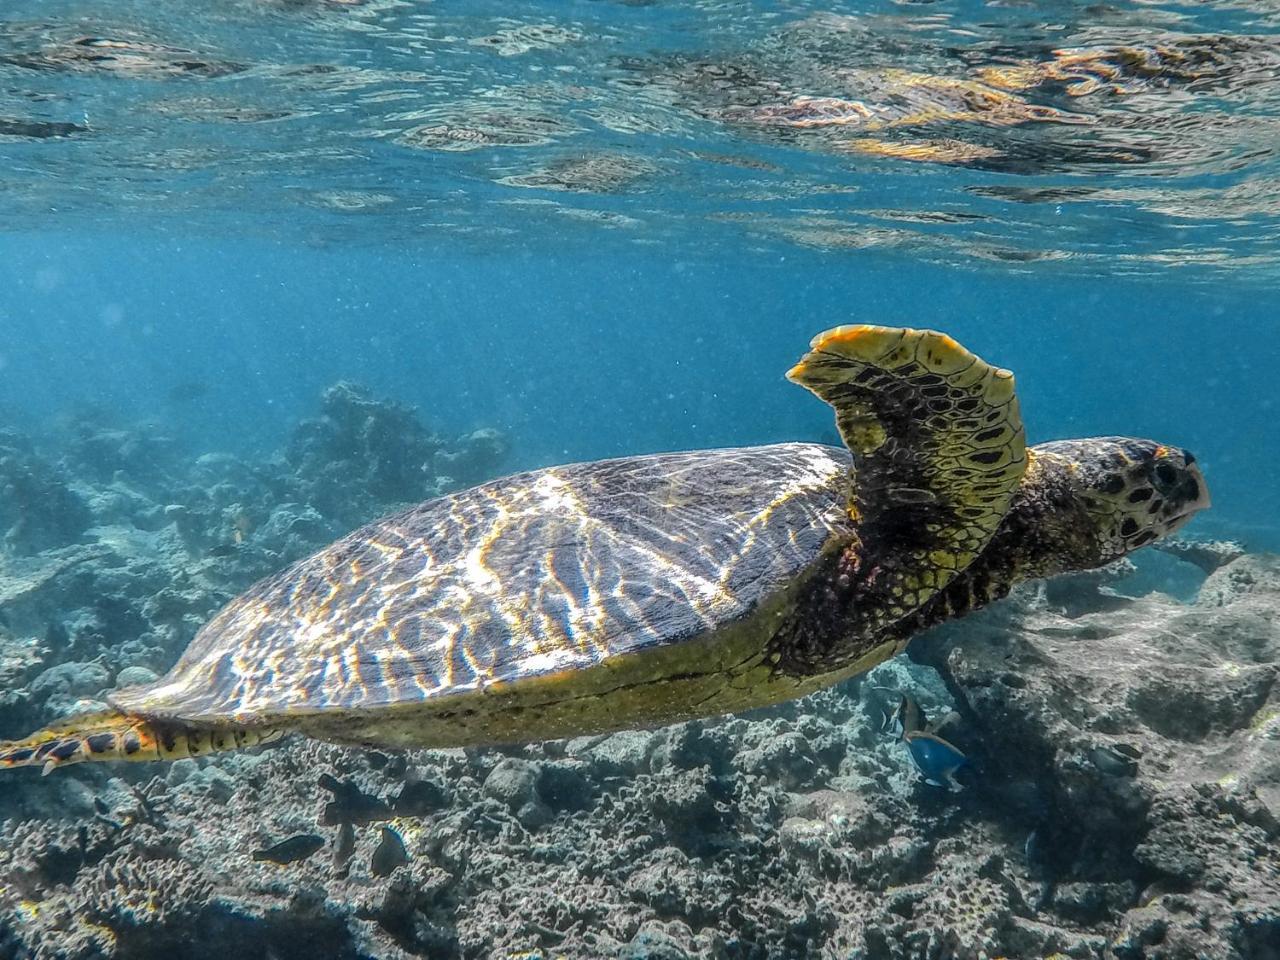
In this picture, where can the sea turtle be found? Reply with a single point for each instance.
(650, 589)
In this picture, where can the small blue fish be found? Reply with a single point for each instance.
(935, 758)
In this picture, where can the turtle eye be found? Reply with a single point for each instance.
(1164, 476)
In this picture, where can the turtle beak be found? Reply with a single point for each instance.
(1203, 501)
(1192, 492)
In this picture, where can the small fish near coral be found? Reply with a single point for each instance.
(653, 589)
(389, 855)
(902, 717)
(292, 850)
(935, 758)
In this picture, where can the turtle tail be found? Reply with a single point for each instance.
(112, 735)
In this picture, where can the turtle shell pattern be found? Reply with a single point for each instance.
(530, 576)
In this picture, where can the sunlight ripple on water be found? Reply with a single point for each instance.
(458, 123)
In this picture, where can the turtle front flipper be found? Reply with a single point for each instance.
(111, 735)
(938, 449)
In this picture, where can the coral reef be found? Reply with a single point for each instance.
(1121, 797)
(362, 455)
(38, 509)
(1142, 741)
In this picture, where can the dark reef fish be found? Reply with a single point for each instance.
(292, 850)
(902, 718)
(647, 590)
(350, 804)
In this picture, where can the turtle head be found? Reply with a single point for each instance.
(1081, 505)
(1133, 492)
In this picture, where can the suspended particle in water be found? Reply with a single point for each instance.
(48, 279)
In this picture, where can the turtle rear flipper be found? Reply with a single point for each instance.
(938, 449)
(111, 735)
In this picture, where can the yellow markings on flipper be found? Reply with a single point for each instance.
(999, 388)
(111, 735)
(860, 341)
(942, 355)
(938, 444)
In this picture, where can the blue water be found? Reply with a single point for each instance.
(243, 198)
(615, 352)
